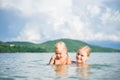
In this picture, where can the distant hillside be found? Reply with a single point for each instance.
(48, 46)
(20, 43)
(19, 47)
(110, 44)
(73, 45)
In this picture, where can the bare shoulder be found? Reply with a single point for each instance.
(69, 60)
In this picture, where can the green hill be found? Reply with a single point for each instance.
(19, 47)
(48, 46)
(73, 45)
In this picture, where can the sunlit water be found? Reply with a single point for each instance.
(33, 66)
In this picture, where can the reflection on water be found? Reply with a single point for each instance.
(60, 70)
(83, 70)
(33, 66)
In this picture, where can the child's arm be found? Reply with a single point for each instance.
(57, 62)
(52, 60)
(69, 61)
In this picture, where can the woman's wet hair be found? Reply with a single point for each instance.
(85, 48)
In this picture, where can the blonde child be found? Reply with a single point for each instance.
(83, 55)
(61, 56)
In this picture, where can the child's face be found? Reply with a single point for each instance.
(81, 57)
(60, 53)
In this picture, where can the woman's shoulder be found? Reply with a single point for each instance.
(74, 62)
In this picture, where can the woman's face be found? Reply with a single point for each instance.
(81, 57)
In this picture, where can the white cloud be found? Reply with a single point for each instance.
(29, 33)
(93, 9)
(76, 19)
(111, 15)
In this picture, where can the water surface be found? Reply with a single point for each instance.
(34, 66)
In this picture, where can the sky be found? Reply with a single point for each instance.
(42, 20)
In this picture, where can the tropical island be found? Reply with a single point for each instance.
(72, 45)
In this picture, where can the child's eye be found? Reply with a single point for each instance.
(81, 55)
(59, 53)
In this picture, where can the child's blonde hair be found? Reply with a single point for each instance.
(60, 44)
(85, 48)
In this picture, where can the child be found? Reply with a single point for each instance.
(61, 56)
(83, 55)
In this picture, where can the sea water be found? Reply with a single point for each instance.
(34, 66)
